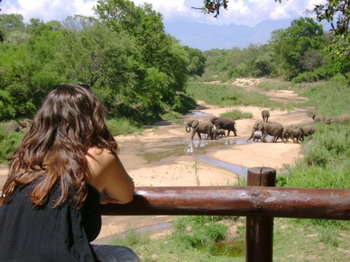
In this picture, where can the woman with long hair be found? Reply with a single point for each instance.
(66, 165)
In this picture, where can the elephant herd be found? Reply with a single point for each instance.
(262, 129)
(214, 128)
(331, 120)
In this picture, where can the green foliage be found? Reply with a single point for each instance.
(9, 141)
(137, 70)
(325, 165)
(197, 61)
(329, 98)
(131, 238)
(251, 61)
(198, 231)
(237, 114)
(7, 109)
(297, 47)
(226, 95)
(336, 12)
(122, 126)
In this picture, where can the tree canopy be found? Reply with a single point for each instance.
(336, 12)
(136, 69)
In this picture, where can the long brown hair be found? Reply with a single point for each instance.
(69, 122)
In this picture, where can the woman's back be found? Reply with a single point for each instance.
(65, 166)
(48, 234)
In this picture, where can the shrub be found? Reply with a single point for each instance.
(122, 126)
(9, 141)
(237, 114)
(199, 231)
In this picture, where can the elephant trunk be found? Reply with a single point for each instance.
(188, 129)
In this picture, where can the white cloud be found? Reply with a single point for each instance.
(247, 12)
(49, 9)
(279, 13)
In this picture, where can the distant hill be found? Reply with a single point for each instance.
(205, 36)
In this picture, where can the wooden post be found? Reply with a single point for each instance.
(259, 230)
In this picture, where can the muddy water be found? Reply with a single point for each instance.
(155, 152)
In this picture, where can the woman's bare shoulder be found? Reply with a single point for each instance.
(100, 155)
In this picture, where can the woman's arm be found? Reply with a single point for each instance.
(108, 175)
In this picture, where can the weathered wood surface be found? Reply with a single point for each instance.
(237, 201)
(259, 229)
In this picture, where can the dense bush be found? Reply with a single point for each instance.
(137, 70)
(9, 141)
(199, 231)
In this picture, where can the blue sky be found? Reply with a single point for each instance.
(241, 12)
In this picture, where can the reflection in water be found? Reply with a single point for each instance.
(195, 146)
(239, 170)
(198, 144)
(156, 152)
(196, 113)
(190, 148)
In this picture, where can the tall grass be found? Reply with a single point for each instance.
(237, 114)
(122, 126)
(330, 98)
(228, 95)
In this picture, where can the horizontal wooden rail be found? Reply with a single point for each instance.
(237, 201)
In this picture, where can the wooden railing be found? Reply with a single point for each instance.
(260, 202)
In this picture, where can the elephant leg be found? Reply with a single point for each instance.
(193, 133)
(263, 138)
(199, 135)
(234, 131)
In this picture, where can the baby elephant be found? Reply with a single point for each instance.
(297, 135)
(219, 133)
(257, 136)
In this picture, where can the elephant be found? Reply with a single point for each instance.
(307, 130)
(330, 120)
(338, 119)
(224, 123)
(318, 118)
(300, 132)
(344, 118)
(265, 114)
(268, 128)
(219, 133)
(199, 128)
(297, 135)
(287, 133)
(257, 136)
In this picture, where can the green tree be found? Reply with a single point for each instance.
(159, 54)
(13, 28)
(336, 12)
(293, 45)
(197, 61)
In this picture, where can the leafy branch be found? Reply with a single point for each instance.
(214, 6)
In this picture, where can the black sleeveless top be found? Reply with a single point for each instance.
(46, 234)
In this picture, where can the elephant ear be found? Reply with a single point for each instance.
(195, 123)
(213, 119)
